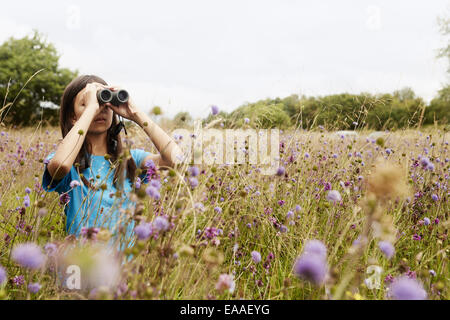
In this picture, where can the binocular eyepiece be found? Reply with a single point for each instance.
(116, 98)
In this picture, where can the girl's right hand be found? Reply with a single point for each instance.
(90, 95)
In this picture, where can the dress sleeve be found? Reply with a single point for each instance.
(59, 186)
(139, 155)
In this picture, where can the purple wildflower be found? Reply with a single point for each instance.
(34, 287)
(334, 196)
(435, 197)
(27, 190)
(143, 231)
(155, 184)
(389, 278)
(426, 221)
(214, 110)
(289, 214)
(311, 267)
(138, 183)
(153, 192)
(194, 171)
(26, 201)
(281, 171)
(405, 288)
(417, 237)
(256, 256)
(28, 255)
(3, 275)
(387, 248)
(218, 209)
(161, 223)
(19, 280)
(193, 182)
(316, 247)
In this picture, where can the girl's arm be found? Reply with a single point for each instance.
(68, 149)
(169, 152)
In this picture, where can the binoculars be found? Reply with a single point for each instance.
(116, 98)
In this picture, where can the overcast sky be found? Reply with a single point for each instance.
(188, 55)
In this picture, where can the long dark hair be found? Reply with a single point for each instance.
(114, 149)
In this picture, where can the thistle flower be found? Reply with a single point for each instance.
(281, 171)
(26, 201)
(256, 256)
(405, 288)
(426, 221)
(18, 280)
(334, 196)
(160, 223)
(3, 275)
(194, 171)
(143, 231)
(289, 214)
(28, 255)
(138, 183)
(387, 248)
(34, 287)
(311, 267)
(153, 192)
(156, 184)
(214, 110)
(225, 282)
(316, 247)
(193, 182)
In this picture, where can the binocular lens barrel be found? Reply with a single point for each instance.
(115, 97)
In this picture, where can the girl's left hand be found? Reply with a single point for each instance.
(126, 110)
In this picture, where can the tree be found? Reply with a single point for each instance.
(20, 59)
(444, 24)
(439, 108)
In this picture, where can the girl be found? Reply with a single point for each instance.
(89, 166)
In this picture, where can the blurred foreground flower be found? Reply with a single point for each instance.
(312, 265)
(334, 196)
(3, 275)
(405, 288)
(28, 255)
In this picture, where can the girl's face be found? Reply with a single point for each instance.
(105, 114)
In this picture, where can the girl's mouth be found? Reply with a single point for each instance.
(100, 121)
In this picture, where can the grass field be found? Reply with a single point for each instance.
(379, 206)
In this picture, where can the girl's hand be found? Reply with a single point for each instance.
(89, 94)
(126, 110)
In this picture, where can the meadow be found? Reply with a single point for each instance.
(344, 217)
